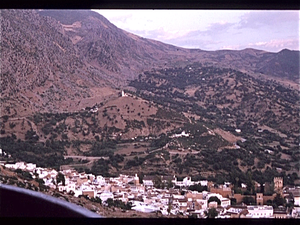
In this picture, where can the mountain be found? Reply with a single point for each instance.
(61, 56)
(40, 66)
(61, 80)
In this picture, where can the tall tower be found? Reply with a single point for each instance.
(136, 180)
(259, 198)
(278, 184)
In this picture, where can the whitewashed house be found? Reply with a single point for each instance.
(187, 181)
(30, 166)
(62, 188)
(71, 187)
(105, 195)
(11, 166)
(53, 173)
(21, 165)
(264, 211)
(297, 199)
(77, 192)
(243, 185)
(203, 182)
(100, 180)
(18, 165)
(225, 202)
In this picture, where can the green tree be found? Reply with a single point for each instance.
(233, 201)
(211, 213)
(60, 178)
(110, 202)
(248, 200)
(158, 182)
(278, 200)
(197, 187)
(169, 206)
(170, 184)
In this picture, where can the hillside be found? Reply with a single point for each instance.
(217, 114)
(263, 112)
(59, 57)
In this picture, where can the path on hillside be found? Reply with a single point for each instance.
(85, 157)
(183, 153)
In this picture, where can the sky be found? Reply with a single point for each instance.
(268, 30)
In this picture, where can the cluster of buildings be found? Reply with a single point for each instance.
(146, 198)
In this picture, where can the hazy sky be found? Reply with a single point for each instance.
(268, 30)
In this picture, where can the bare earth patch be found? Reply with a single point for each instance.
(227, 135)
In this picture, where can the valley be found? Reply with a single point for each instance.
(78, 92)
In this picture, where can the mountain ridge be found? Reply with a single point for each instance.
(63, 55)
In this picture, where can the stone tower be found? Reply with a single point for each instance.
(136, 180)
(278, 184)
(259, 198)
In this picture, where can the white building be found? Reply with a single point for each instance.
(187, 181)
(105, 195)
(225, 202)
(18, 165)
(71, 187)
(100, 180)
(148, 183)
(123, 94)
(53, 173)
(30, 166)
(297, 199)
(94, 110)
(61, 188)
(203, 182)
(142, 207)
(243, 185)
(77, 193)
(182, 134)
(264, 211)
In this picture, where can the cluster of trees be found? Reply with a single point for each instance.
(49, 154)
(134, 124)
(197, 187)
(250, 106)
(136, 161)
(101, 167)
(103, 148)
(158, 183)
(119, 204)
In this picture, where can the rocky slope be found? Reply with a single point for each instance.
(52, 59)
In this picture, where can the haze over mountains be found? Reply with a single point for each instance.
(71, 62)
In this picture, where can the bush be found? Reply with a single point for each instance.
(248, 200)
(197, 187)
